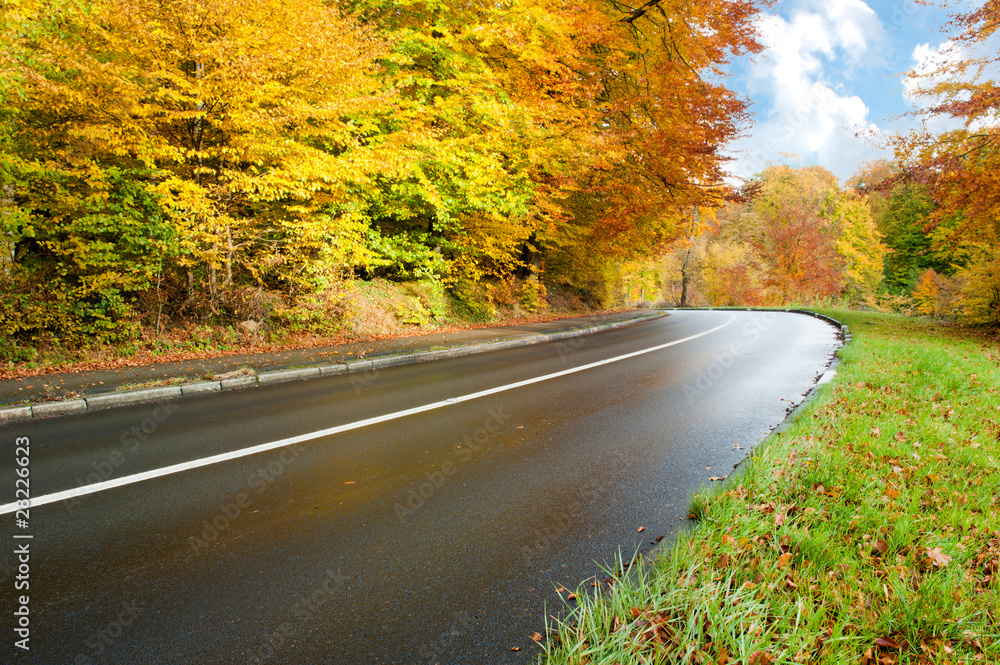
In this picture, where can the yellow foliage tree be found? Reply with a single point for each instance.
(926, 293)
(247, 119)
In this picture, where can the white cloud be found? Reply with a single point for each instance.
(808, 113)
(925, 62)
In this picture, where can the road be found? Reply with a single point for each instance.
(425, 513)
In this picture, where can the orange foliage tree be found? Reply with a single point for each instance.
(960, 167)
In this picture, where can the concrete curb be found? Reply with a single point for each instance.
(272, 377)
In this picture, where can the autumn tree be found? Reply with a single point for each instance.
(786, 225)
(187, 152)
(810, 238)
(667, 117)
(959, 167)
(732, 274)
(927, 293)
(237, 127)
(859, 246)
(901, 210)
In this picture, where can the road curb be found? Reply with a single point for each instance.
(120, 398)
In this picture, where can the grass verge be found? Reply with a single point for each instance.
(867, 532)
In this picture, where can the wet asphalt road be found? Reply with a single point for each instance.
(434, 537)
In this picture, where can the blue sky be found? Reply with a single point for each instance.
(832, 81)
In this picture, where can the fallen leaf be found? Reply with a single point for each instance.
(348, 482)
(515, 648)
(881, 546)
(759, 658)
(713, 478)
(537, 637)
(641, 529)
(937, 557)
(779, 519)
(887, 643)
(784, 559)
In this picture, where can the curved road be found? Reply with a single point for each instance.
(425, 513)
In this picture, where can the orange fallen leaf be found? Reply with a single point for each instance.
(641, 529)
(537, 637)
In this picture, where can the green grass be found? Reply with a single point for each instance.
(867, 532)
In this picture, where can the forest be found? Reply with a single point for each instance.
(171, 164)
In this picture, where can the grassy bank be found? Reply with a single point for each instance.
(868, 532)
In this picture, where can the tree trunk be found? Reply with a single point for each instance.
(687, 259)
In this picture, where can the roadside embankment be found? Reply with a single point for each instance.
(868, 531)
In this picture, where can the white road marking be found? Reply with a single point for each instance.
(282, 443)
